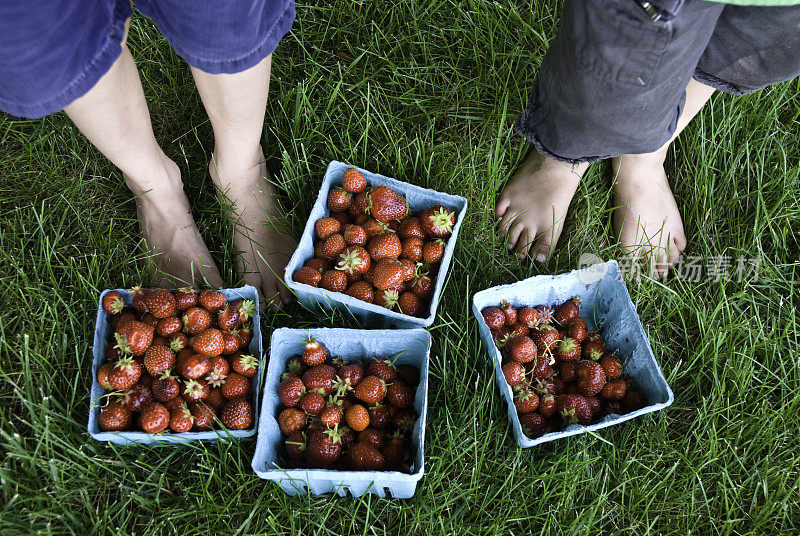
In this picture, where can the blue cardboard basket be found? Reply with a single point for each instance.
(101, 333)
(371, 315)
(604, 293)
(352, 345)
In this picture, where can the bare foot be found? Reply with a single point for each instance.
(533, 205)
(174, 252)
(647, 222)
(264, 244)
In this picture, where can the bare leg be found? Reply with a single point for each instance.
(646, 220)
(236, 104)
(113, 115)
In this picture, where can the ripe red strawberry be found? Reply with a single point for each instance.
(438, 221)
(215, 400)
(154, 418)
(247, 309)
(136, 397)
(158, 359)
(324, 447)
(385, 204)
(228, 317)
(361, 290)
(612, 366)
(208, 342)
(354, 260)
(212, 300)
(326, 227)
(593, 350)
(513, 372)
(165, 387)
(364, 456)
(528, 316)
(510, 312)
(370, 390)
(194, 366)
(348, 376)
(574, 409)
(308, 276)
(353, 181)
(219, 370)
(614, 390)
(134, 337)
(567, 311)
(246, 365)
(203, 415)
(590, 377)
(410, 304)
(181, 419)
(168, 326)
(290, 391)
(230, 340)
(237, 415)
(103, 372)
(178, 342)
(343, 216)
(387, 299)
(518, 330)
(422, 286)
(545, 314)
(138, 297)
(412, 248)
(333, 246)
(634, 400)
(541, 368)
(373, 227)
(533, 425)
(525, 400)
(388, 274)
(379, 416)
(331, 416)
(357, 417)
(113, 303)
(494, 317)
(545, 336)
(196, 319)
(235, 386)
(568, 349)
(296, 447)
(360, 203)
(383, 368)
(193, 391)
(339, 199)
(576, 328)
(410, 269)
(314, 352)
(184, 298)
(522, 349)
(404, 420)
(432, 252)
(176, 402)
(568, 370)
(318, 264)
(396, 453)
(354, 235)
(122, 318)
(399, 395)
(114, 417)
(334, 281)
(312, 403)
(411, 227)
(160, 303)
(124, 374)
(372, 437)
(547, 405)
(245, 335)
(385, 245)
(149, 319)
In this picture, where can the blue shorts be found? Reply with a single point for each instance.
(54, 51)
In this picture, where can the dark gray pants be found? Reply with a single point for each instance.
(613, 81)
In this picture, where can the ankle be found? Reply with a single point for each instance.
(228, 169)
(164, 179)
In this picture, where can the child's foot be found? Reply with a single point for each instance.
(264, 245)
(646, 221)
(174, 251)
(533, 205)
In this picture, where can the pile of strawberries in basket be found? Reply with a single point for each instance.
(560, 372)
(372, 248)
(175, 362)
(347, 415)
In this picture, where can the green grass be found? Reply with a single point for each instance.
(425, 92)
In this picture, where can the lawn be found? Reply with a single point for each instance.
(425, 92)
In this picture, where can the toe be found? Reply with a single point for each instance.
(524, 243)
(513, 235)
(507, 220)
(502, 206)
(541, 250)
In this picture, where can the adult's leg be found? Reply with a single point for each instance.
(113, 115)
(236, 104)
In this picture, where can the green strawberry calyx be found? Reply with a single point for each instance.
(248, 362)
(247, 310)
(122, 343)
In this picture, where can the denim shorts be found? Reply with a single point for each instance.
(613, 80)
(54, 51)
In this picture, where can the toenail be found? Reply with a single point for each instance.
(541, 257)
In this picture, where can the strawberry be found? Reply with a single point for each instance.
(357, 417)
(219, 370)
(168, 326)
(158, 359)
(510, 312)
(387, 298)
(593, 350)
(432, 252)
(518, 330)
(547, 405)
(176, 402)
(614, 390)
(438, 221)
(411, 227)
(576, 328)
(333, 246)
(372, 437)
(203, 415)
(113, 303)
(165, 387)
(404, 420)
(318, 264)
(541, 368)
(185, 298)
(154, 418)
(545, 314)
(388, 274)
(139, 295)
(215, 400)
(193, 391)
(149, 319)
(412, 248)
(595, 405)
(228, 317)
(612, 366)
(634, 400)
(320, 377)
(196, 319)
(399, 395)
(349, 375)
(324, 447)
(117, 321)
(353, 181)
(237, 414)
(208, 342)
(334, 281)
(307, 276)
(379, 416)
(212, 300)
(296, 447)
(194, 367)
(409, 304)
(361, 290)
(493, 316)
(568, 349)
(136, 397)
(383, 369)
(384, 246)
(230, 342)
(290, 390)
(568, 370)
(373, 227)
(574, 409)
(396, 453)
(178, 342)
(235, 386)
(114, 417)
(513, 372)
(124, 374)
(385, 204)
(247, 309)
(246, 365)
(528, 316)
(533, 425)
(134, 337)
(545, 336)
(354, 235)
(590, 377)
(354, 260)
(521, 349)
(103, 372)
(365, 457)
(331, 416)
(360, 203)
(525, 400)
(314, 353)
(326, 227)
(160, 303)
(422, 286)
(410, 269)
(408, 373)
(370, 390)
(181, 419)
(342, 216)
(245, 335)
(567, 311)
(339, 199)
(312, 403)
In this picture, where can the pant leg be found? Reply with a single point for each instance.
(613, 81)
(751, 48)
